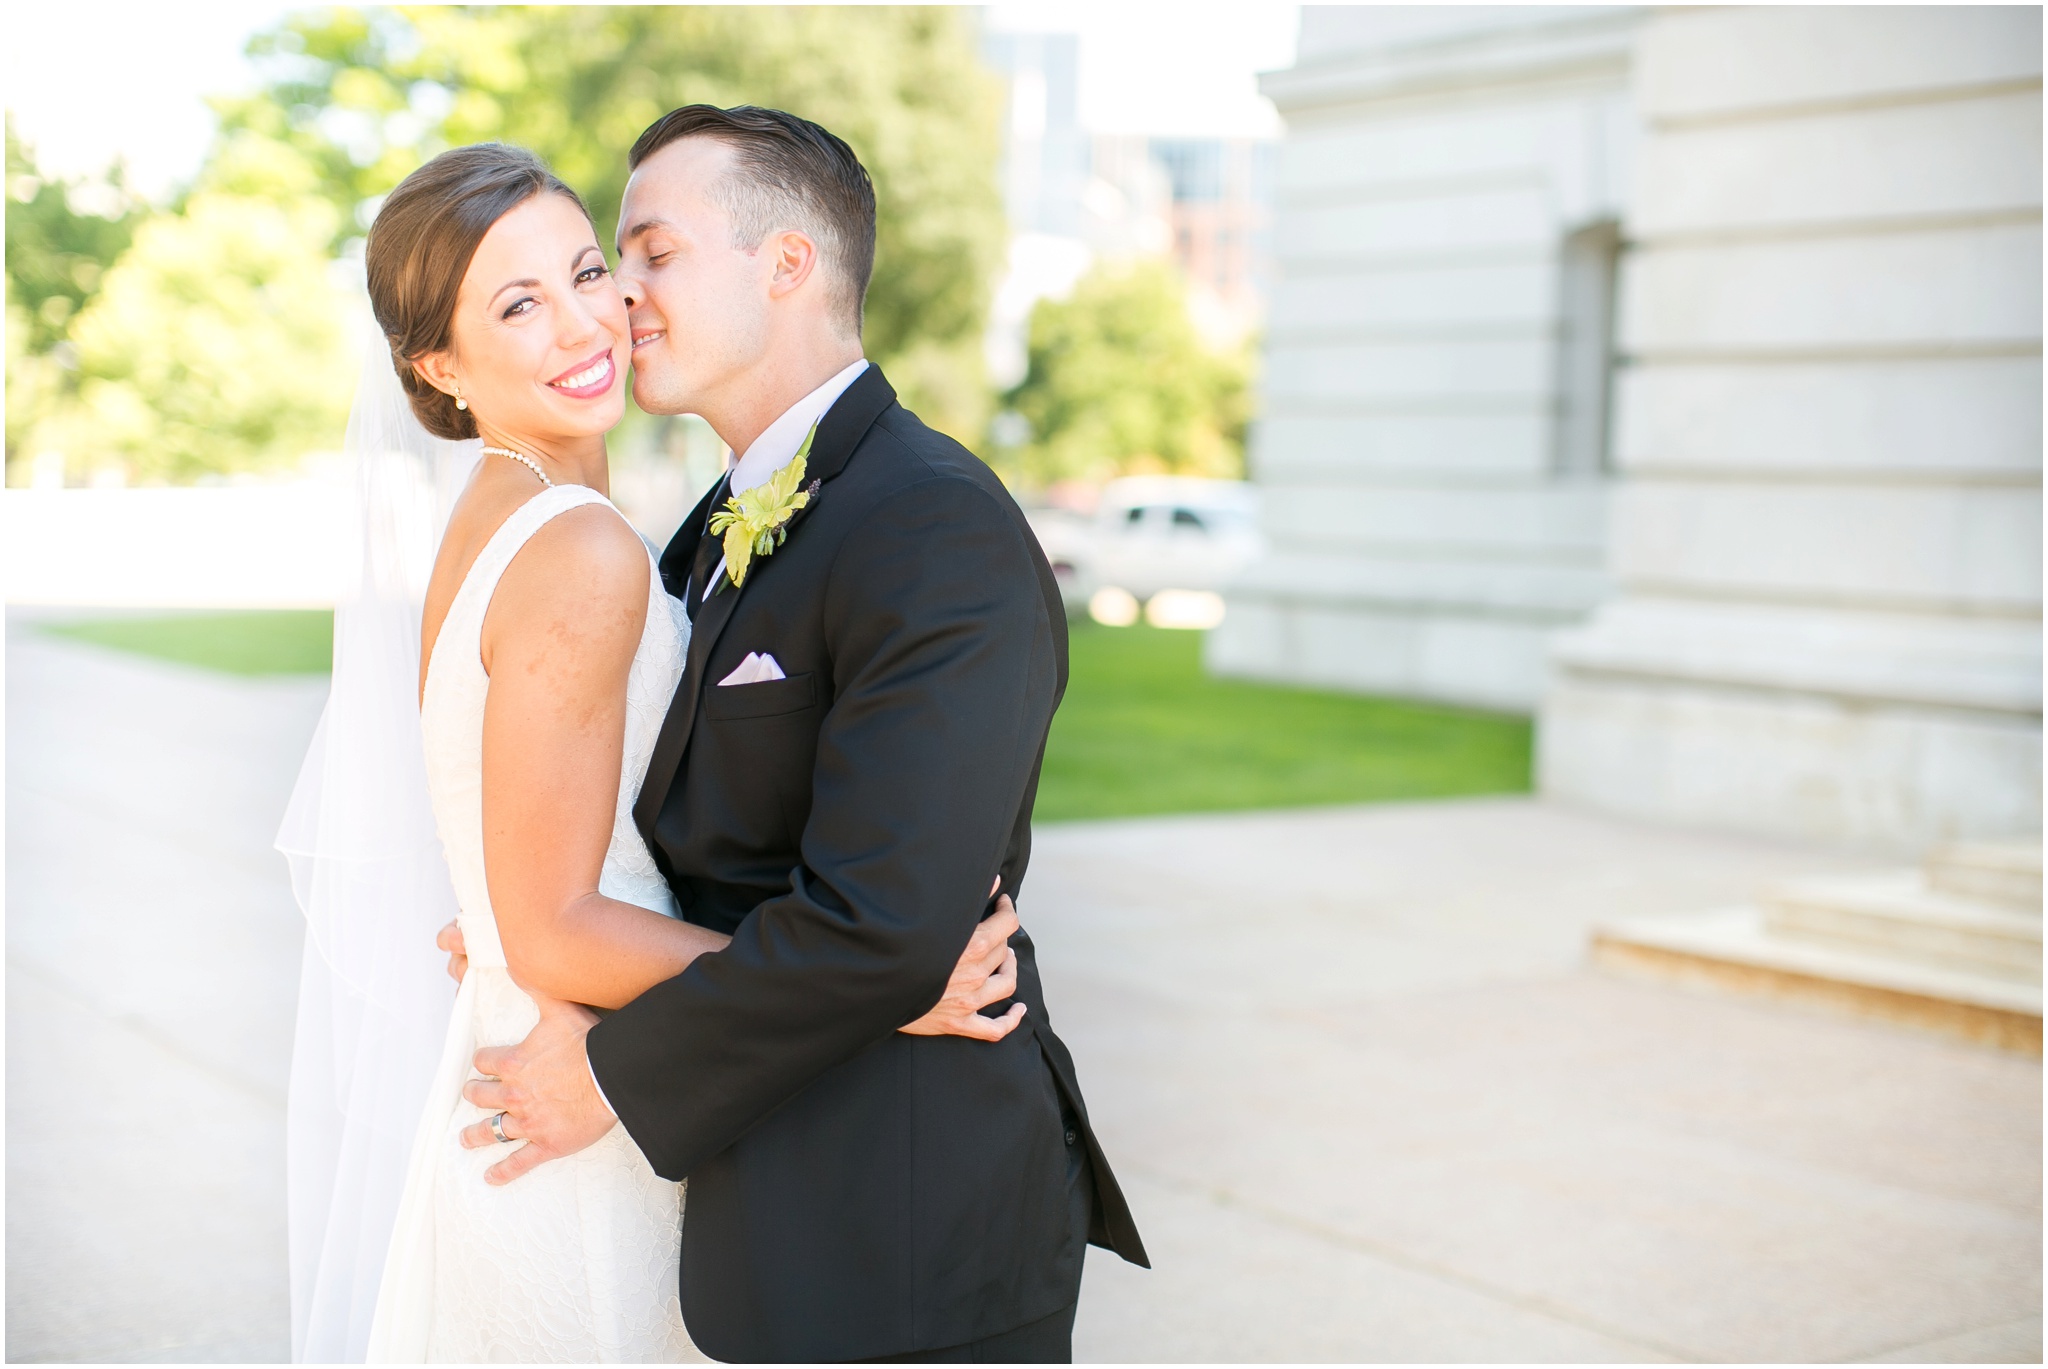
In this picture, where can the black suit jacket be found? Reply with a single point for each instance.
(855, 1192)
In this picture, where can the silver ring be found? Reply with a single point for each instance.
(498, 1127)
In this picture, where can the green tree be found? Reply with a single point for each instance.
(35, 387)
(210, 338)
(1120, 382)
(61, 238)
(366, 95)
(218, 341)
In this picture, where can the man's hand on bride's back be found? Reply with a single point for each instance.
(987, 973)
(544, 1088)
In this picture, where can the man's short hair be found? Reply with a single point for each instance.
(787, 173)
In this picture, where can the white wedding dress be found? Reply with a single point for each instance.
(576, 1260)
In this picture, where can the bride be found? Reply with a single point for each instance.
(543, 652)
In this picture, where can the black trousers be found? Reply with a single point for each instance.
(1050, 1339)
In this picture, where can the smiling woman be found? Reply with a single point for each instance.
(468, 326)
(502, 323)
(547, 656)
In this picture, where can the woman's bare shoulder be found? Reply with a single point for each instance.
(593, 540)
(585, 568)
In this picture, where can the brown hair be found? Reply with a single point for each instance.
(420, 248)
(787, 173)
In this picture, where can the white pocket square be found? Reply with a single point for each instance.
(757, 667)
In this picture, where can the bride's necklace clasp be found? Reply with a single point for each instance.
(523, 459)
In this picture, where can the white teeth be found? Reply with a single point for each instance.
(638, 343)
(589, 377)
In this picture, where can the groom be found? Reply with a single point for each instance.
(847, 767)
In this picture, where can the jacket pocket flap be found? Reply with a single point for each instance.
(763, 699)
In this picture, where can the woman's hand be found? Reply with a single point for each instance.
(450, 940)
(987, 973)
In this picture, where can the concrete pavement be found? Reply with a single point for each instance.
(1366, 1101)
(1370, 1106)
(152, 952)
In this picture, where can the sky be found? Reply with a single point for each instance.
(135, 90)
(1187, 69)
(1184, 69)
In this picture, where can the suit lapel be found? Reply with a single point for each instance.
(702, 566)
(681, 552)
(682, 710)
(848, 421)
(839, 433)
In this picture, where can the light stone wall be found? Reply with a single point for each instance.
(1826, 542)
(1430, 533)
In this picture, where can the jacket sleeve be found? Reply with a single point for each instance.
(942, 658)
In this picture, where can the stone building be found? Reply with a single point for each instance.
(1674, 374)
(1432, 428)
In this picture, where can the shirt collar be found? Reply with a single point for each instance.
(777, 444)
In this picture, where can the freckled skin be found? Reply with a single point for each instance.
(559, 637)
(567, 616)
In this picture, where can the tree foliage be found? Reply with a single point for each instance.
(218, 341)
(61, 238)
(1120, 382)
(35, 384)
(365, 96)
(209, 337)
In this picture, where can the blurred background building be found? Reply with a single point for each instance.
(1222, 226)
(1075, 196)
(1675, 373)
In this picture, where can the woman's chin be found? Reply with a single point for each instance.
(590, 418)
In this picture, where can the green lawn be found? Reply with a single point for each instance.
(1144, 730)
(286, 642)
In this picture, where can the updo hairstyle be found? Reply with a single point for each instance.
(420, 248)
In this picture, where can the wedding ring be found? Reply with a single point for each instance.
(498, 1127)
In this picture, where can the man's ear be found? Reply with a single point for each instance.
(438, 371)
(796, 259)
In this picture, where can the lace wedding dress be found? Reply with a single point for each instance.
(576, 1260)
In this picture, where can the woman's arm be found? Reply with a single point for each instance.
(985, 974)
(558, 643)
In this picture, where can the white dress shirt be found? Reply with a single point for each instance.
(769, 453)
(777, 444)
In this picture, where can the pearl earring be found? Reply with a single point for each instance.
(460, 402)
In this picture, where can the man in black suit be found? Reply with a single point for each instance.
(848, 765)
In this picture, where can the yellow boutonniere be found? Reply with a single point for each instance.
(755, 523)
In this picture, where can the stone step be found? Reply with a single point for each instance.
(2003, 872)
(1733, 949)
(1901, 915)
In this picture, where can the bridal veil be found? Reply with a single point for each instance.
(369, 874)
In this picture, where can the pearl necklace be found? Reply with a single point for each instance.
(524, 460)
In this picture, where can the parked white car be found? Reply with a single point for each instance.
(1174, 536)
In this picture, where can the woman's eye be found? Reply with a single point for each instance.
(524, 306)
(591, 273)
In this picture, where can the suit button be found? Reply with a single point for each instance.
(1072, 1136)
